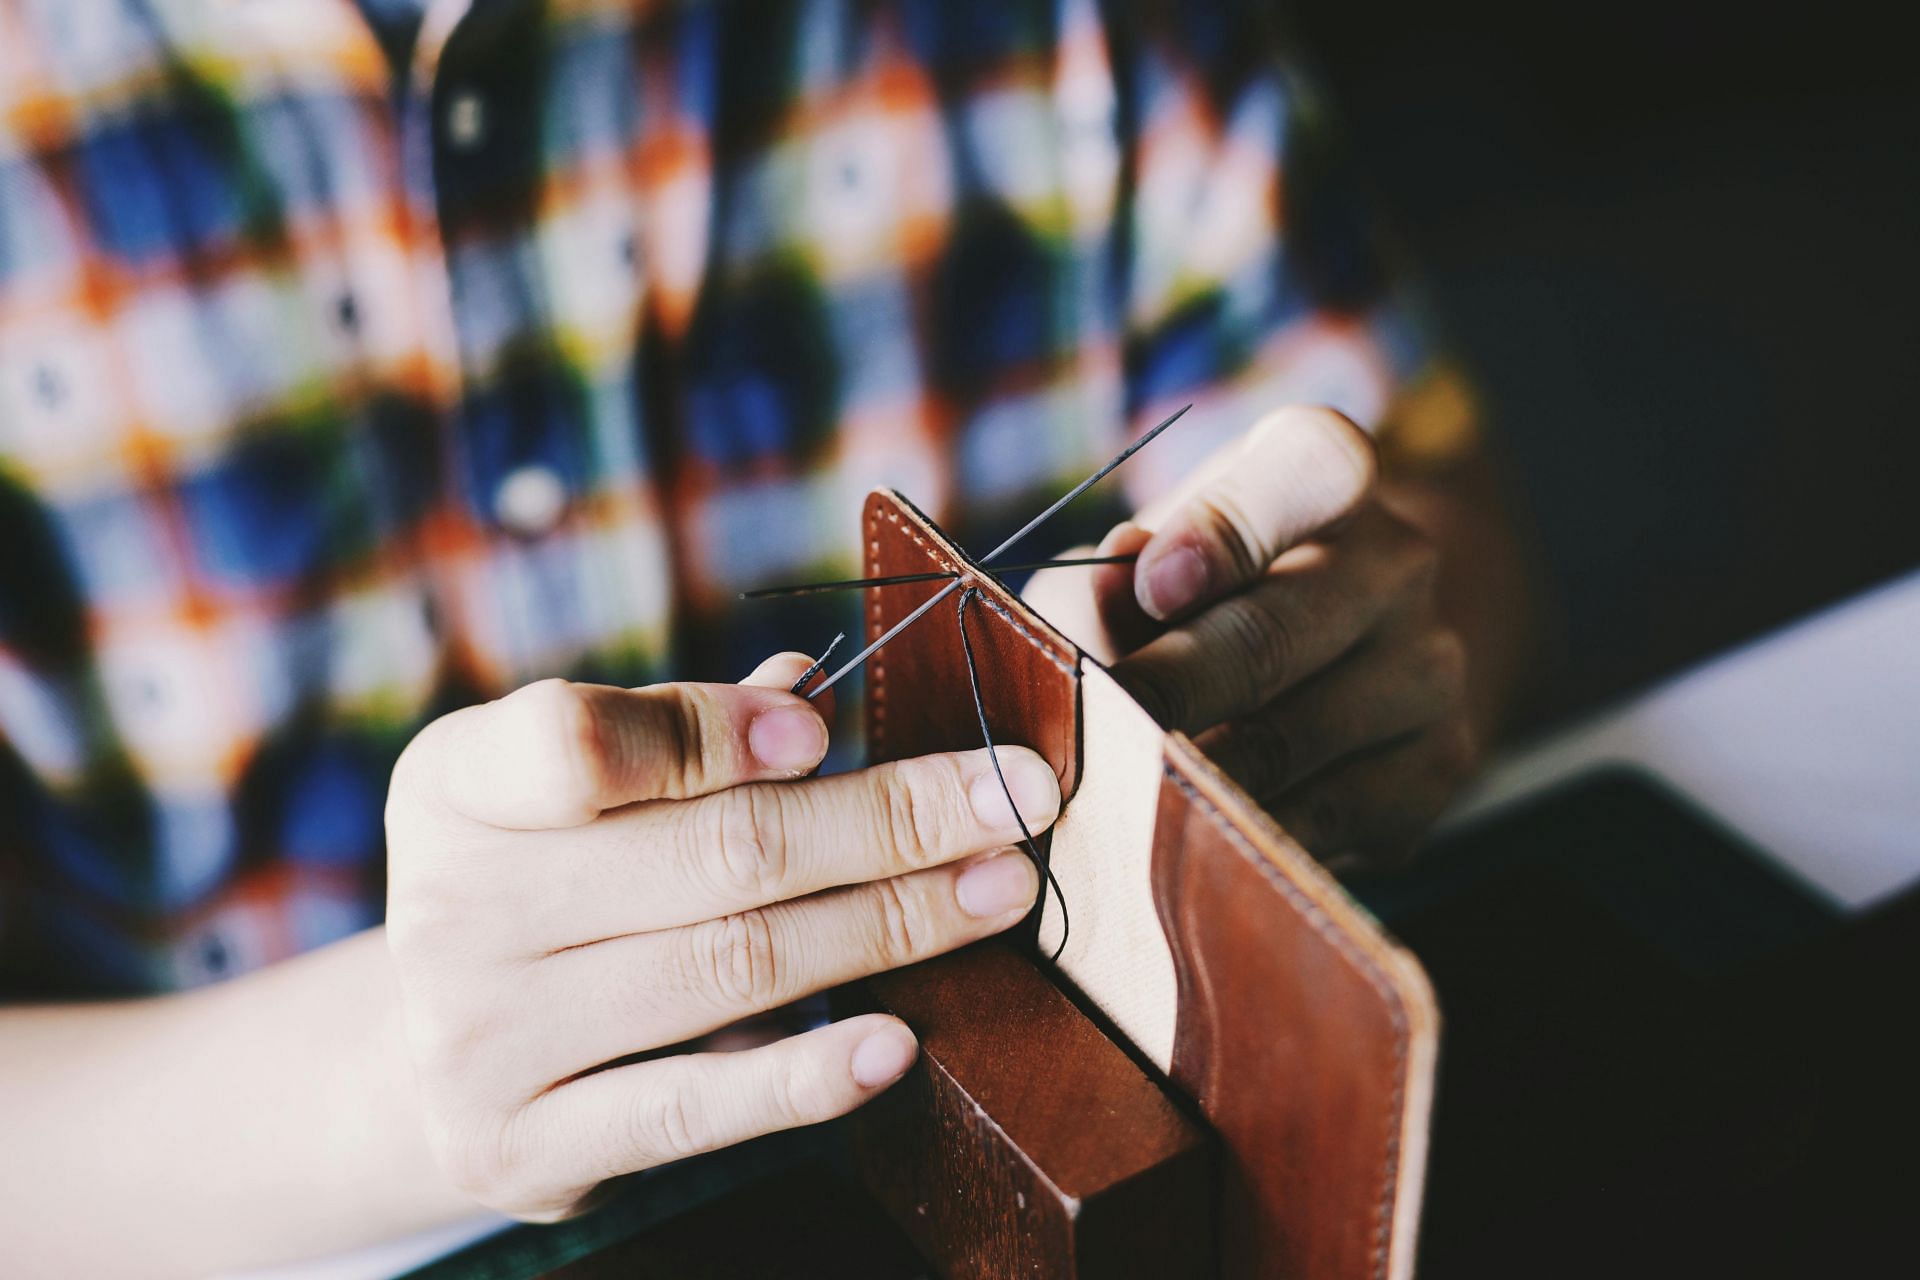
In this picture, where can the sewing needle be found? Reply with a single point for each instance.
(891, 632)
(1084, 485)
(905, 579)
(1024, 530)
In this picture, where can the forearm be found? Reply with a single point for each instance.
(270, 1117)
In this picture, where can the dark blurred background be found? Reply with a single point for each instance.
(1679, 248)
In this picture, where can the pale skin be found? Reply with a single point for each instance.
(579, 874)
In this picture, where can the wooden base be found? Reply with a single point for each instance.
(1025, 1142)
(804, 1223)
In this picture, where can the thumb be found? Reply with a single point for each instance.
(1115, 595)
(1298, 473)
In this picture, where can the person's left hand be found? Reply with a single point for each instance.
(1280, 614)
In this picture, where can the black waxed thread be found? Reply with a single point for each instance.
(818, 663)
(998, 551)
(907, 579)
(973, 673)
(993, 755)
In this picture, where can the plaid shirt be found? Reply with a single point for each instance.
(348, 376)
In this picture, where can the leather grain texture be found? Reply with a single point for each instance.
(1305, 1036)
(996, 1165)
(918, 699)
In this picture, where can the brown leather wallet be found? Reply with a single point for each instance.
(1229, 959)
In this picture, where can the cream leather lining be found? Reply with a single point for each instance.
(1102, 855)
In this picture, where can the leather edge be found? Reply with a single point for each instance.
(1063, 649)
(1385, 964)
(948, 555)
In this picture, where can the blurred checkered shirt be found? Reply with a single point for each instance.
(361, 361)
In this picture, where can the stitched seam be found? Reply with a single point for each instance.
(1046, 650)
(877, 694)
(933, 552)
(1364, 966)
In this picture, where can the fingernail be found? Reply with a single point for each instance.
(1035, 790)
(787, 738)
(883, 1057)
(997, 885)
(1172, 583)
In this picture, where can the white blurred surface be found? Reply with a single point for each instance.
(381, 1261)
(1807, 742)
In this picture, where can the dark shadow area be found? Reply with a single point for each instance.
(1661, 1057)
(1676, 246)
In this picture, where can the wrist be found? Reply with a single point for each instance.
(377, 1147)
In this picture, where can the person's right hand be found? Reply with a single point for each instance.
(580, 873)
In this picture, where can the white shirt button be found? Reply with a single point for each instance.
(466, 121)
(530, 501)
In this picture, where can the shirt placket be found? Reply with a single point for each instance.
(447, 535)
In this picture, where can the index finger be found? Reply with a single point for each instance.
(558, 754)
(662, 866)
(1299, 471)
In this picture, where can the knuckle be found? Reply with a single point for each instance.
(421, 924)
(456, 1053)
(416, 787)
(1341, 455)
(1261, 644)
(802, 1094)
(685, 749)
(480, 1157)
(1227, 525)
(439, 888)
(470, 1166)
(444, 903)
(752, 843)
(795, 1094)
(739, 965)
(914, 817)
(558, 715)
(666, 1122)
(444, 1038)
(896, 934)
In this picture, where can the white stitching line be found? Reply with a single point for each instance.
(918, 541)
(877, 693)
(1383, 1207)
(947, 566)
(1046, 650)
(878, 702)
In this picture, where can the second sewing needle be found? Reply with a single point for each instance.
(1029, 527)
